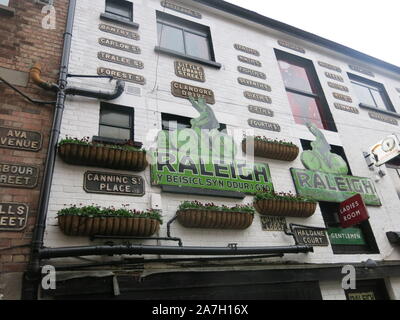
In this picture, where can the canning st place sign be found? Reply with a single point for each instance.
(204, 158)
(325, 177)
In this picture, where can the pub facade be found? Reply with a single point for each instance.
(221, 170)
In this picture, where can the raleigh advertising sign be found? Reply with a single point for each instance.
(325, 177)
(329, 187)
(205, 158)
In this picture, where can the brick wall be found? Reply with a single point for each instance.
(23, 42)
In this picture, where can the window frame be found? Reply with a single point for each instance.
(369, 84)
(119, 109)
(124, 2)
(317, 92)
(186, 26)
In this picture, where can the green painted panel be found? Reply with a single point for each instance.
(178, 169)
(349, 236)
(331, 187)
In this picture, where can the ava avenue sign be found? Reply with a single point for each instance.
(325, 177)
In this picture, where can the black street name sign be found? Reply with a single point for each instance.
(113, 183)
(116, 74)
(19, 139)
(120, 60)
(259, 124)
(13, 216)
(18, 175)
(119, 45)
(311, 237)
(119, 32)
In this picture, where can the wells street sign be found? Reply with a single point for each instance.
(352, 211)
(348, 236)
(331, 187)
(13, 216)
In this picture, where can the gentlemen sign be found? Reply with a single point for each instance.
(330, 187)
(185, 91)
(311, 236)
(20, 139)
(352, 211)
(120, 60)
(13, 216)
(130, 77)
(119, 32)
(119, 45)
(18, 175)
(189, 71)
(110, 183)
(348, 236)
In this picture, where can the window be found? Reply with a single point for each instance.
(184, 38)
(116, 122)
(304, 91)
(371, 94)
(120, 8)
(365, 238)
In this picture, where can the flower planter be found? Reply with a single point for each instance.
(287, 208)
(273, 150)
(102, 156)
(213, 219)
(73, 225)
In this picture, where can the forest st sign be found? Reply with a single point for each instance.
(352, 211)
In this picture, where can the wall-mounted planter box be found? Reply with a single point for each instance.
(273, 149)
(102, 156)
(285, 208)
(214, 219)
(73, 225)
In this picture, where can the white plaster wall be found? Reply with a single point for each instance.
(356, 132)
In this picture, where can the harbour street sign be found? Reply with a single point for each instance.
(352, 211)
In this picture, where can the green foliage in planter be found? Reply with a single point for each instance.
(269, 140)
(99, 212)
(127, 146)
(280, 196)
(247, 208)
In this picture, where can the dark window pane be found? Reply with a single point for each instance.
(170, 38)
(122, 8)
(197, 46)
(305, 109)
(114, 118)
(364, 94)
(295, 77)
(171, 125)
(115, 133)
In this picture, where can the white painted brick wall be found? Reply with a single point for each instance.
(81, 116)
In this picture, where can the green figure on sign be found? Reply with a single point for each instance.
(320, 158)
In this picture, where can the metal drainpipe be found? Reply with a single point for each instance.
(48, 253)
(32, 276)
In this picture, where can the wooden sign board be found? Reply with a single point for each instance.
(18, 175)
(182, 90)
(12, 138)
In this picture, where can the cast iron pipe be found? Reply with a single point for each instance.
(119, 89)
(49, 253)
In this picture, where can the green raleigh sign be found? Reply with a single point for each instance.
(348, 236)
(204, 158)
(326, 176)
